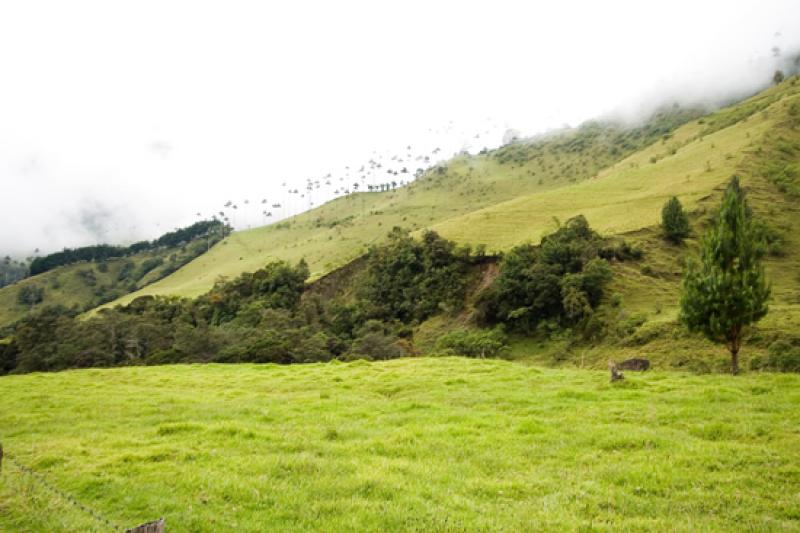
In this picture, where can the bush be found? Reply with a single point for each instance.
(8, 357)
(30, 295)
(146, 266)
(621, 251)
(410, 280)
(87, 276)
(782, 356)
(563, 279)
(374, 342)
(674, 221)
(473, 343)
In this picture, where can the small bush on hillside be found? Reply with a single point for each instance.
(473, 343)
(146, 266)
(375, 343)
(782, 357)
(30, 295)
(87, 276)
(674, 221)
(126, 271)
(8, 357)
(773, 239)
(621, 250)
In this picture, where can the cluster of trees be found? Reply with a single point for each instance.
(265, 316)
(561, 281)
(271, 315)
(383, 187)
(100, 252)
(409, 280)
(30, 295)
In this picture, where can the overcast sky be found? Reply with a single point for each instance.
(122, 120)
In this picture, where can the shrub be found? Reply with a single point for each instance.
(674, 221)
(375, 343)
(563, 279)
(87, 276)
(8, 357)
(125, 273)
(30, 295)
(621, 250)
(782, 356)
(146, 266)
(473, 343)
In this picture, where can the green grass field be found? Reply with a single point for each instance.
(423, 444)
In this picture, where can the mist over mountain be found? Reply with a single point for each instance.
(105, 139)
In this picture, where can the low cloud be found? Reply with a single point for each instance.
(108, 137)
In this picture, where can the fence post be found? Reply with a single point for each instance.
(149, 527)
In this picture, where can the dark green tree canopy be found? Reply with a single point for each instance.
(727, 289)
(674, 221)
(408, 279)
(562, 279)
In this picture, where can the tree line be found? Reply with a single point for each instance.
(271, 315)
(101, 252)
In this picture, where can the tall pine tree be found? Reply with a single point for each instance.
(727, 289)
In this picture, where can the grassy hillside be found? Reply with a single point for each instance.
(85, 285)
(409, 445)
(759, 140)
(617, 178)
(629, 195)
(649, 289)
(337, 232)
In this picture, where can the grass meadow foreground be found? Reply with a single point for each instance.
(424, 444)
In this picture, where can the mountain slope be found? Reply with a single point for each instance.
(87, 284)
(618, 178)
(341, 230)
(629, 194)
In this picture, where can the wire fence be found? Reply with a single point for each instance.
(105, 522)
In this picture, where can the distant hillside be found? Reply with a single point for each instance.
(102, 252)
(86, 284)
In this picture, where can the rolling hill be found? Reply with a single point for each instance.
(86, 284)
(617, 177)
(332, 235)
(521, 191)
